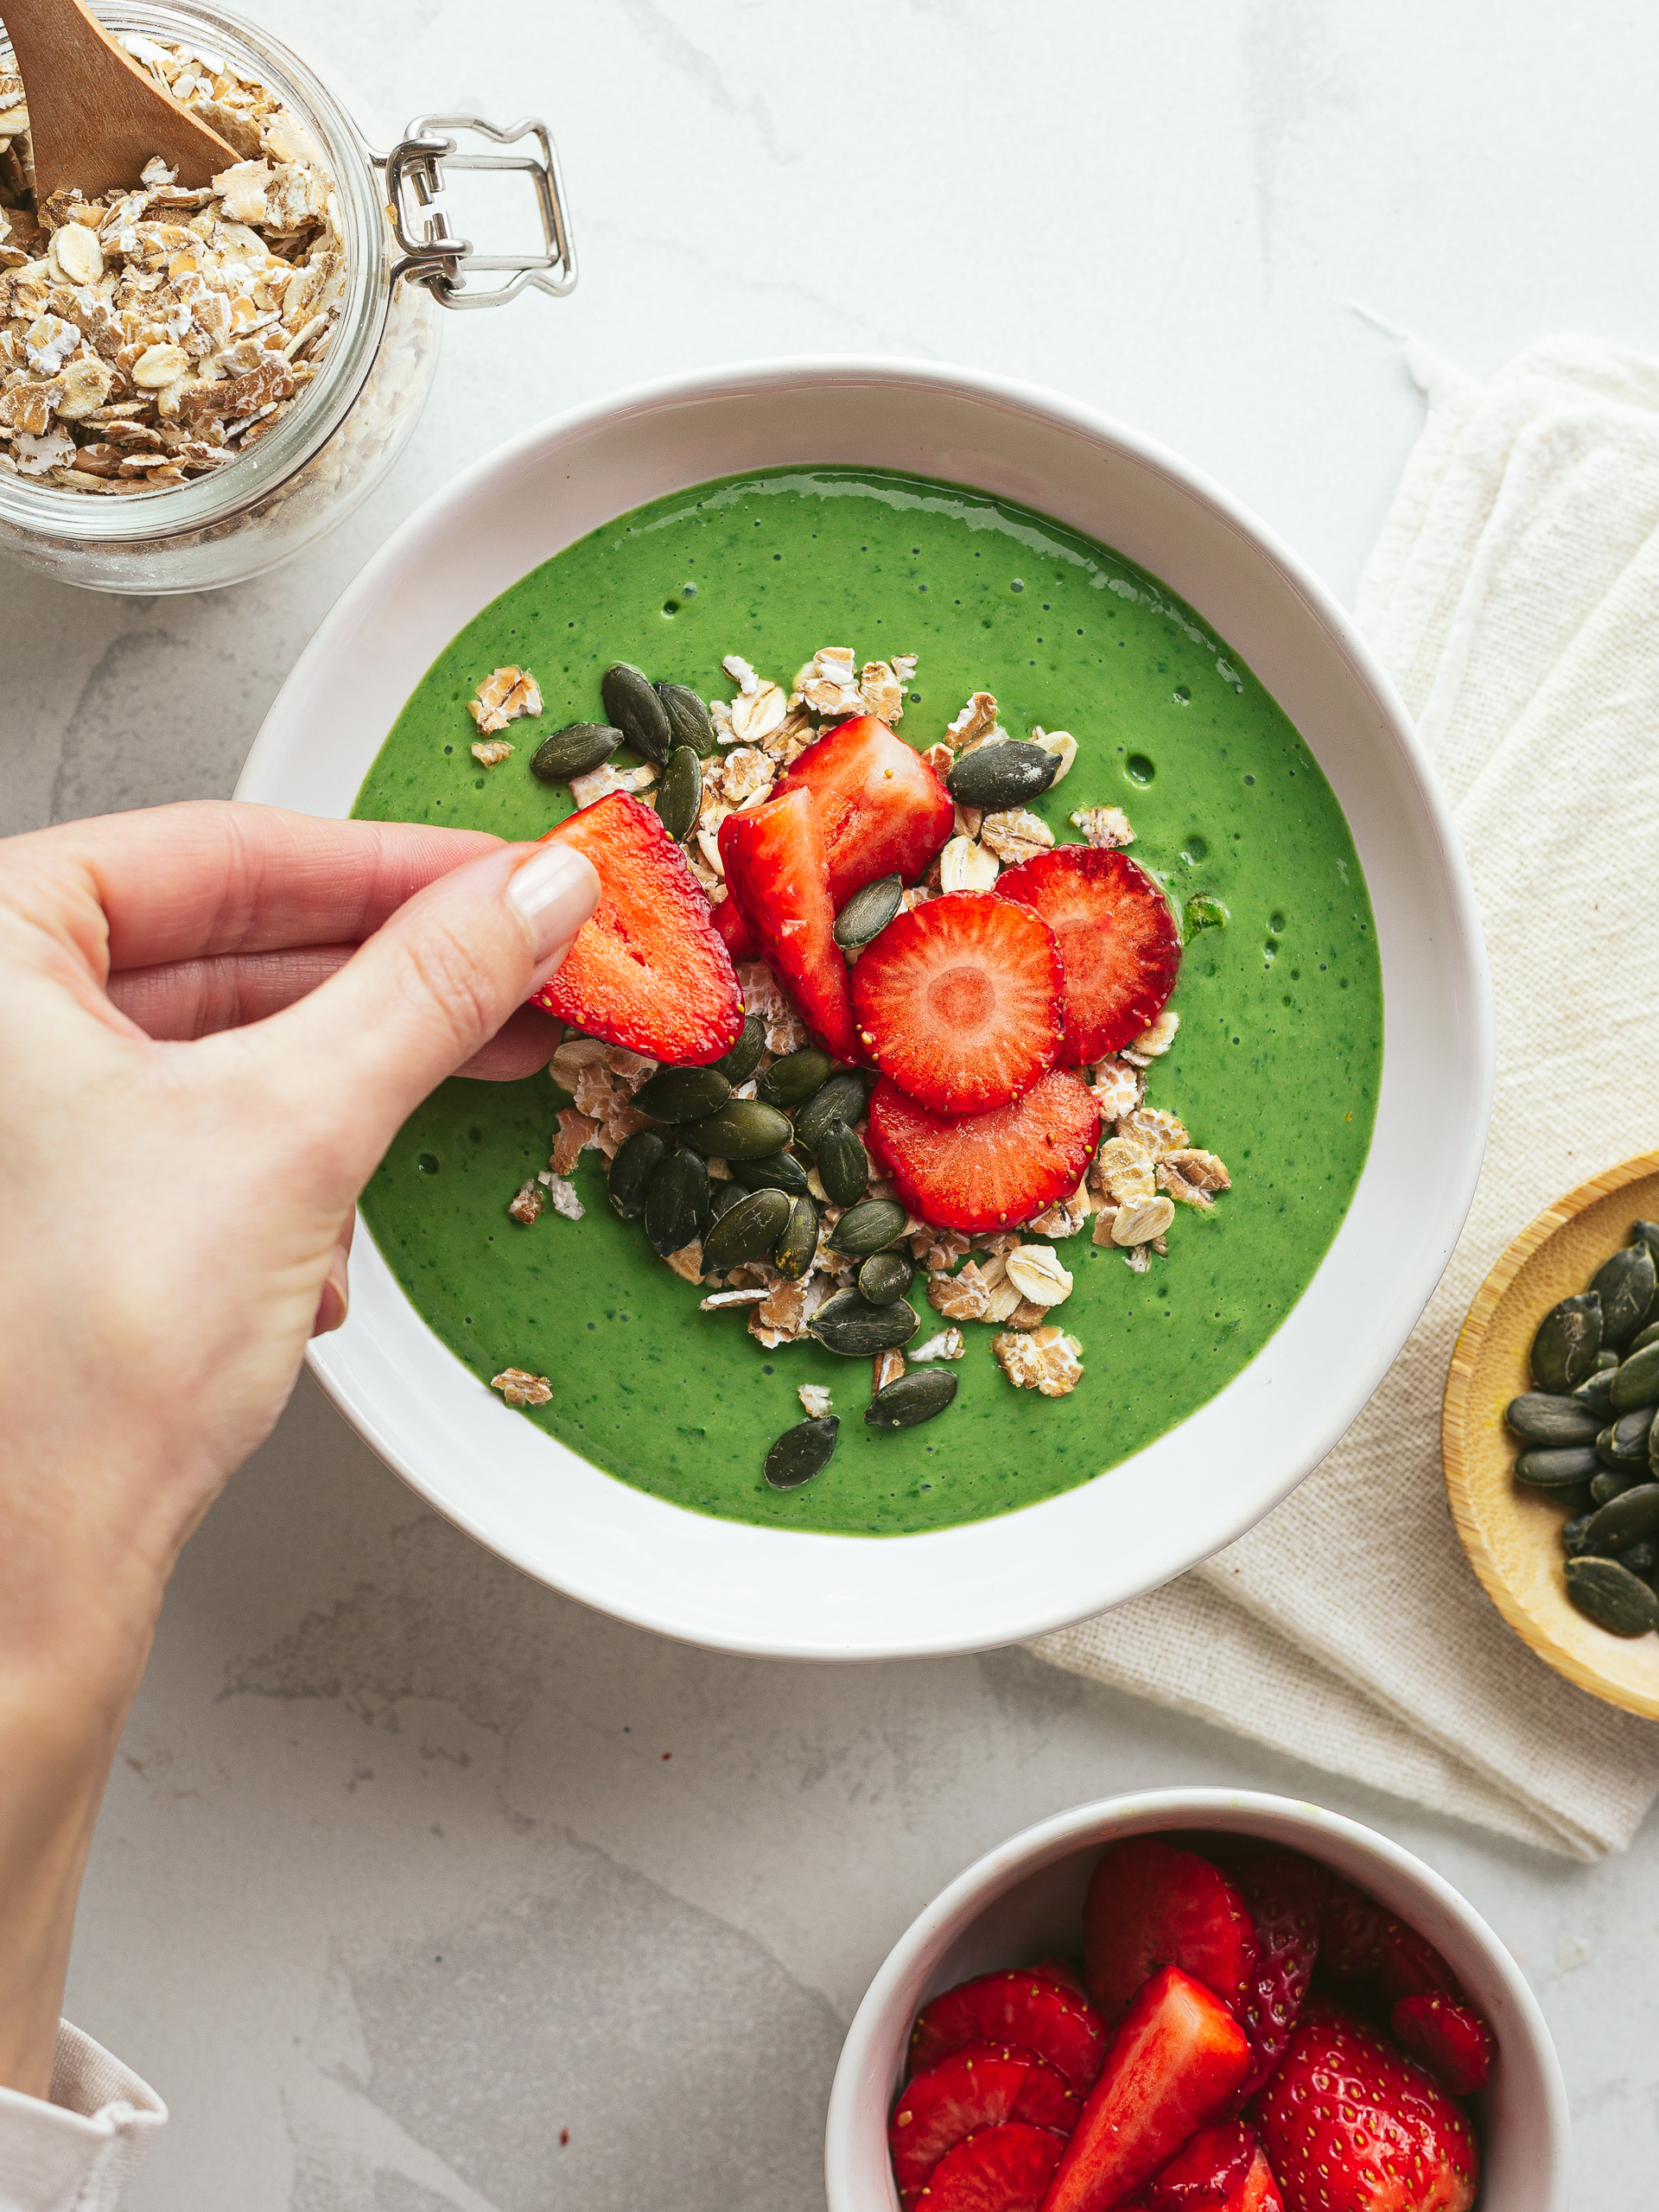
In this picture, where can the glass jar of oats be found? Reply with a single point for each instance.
(196, 384)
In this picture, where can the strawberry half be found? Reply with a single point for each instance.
(1012, 2008)
(959, 1001)
(1150, 1906)
(1365, 1949)
(981, 2086)
(1119, 945)
(884, 811)
(1258, 2191)
(989, 1170)
(999, 2169)
(1352, 2125)
(1451, 2040)
(1213, 2167)
(775, 868)
(1283, 1893)
(1174, 2063)
(648, 970)
(735, 934)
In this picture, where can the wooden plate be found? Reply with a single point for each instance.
(1512, 1534)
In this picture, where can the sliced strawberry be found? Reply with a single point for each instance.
(738, 938)
(775, 867)
(1207, 2172)
(1012, 2008)
(989, 1170)
(1351, 2125)
(980, 2085)
(1283, 1893)
(999, 2169)
(959, 1001)
(1365, 1951)
(648, 968)
(884, 811)
(1064, 1972)
(1149, 1906)
(1174, 2063)
(1451, 2040)
(1119, 944)
(1258, 2191)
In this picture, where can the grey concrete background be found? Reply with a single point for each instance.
(408, 1864)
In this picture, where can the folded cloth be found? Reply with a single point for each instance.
(76, 2151)
(1513, 597)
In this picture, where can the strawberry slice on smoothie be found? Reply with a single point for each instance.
(776, 869)
(1119, 946)
(884, 811)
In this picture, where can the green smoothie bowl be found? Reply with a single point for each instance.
(794, 544)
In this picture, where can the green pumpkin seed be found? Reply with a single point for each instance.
(867, 912)
(844, 1165)
(723, 1197)
(865, 1229)
(884, 1276)
(689, 719)
(1625, 1520)
(1646, 1232)
(1569, 1337)
(996, 777)
(1606, 1360)
(1542, 1418)
(1573, 1532)
(637, 1159)
(576, 750)
(1643, 1338)
(742, 1129)
(848, 1325)
(1625, 1444)
(841, 1099)
(1641, 1559)
(793, 1254)
(1611, 1595)
(679, 799)
(746, 1228)
(793, 1080)
(676, 1201)
(779, 1171)
(1624, 1284)
(1613, 1482)
(1637, 1382)
(1595, 1395)
(1202, 913)
(740, 1062)
(920, 1396)
(801, 1453)
(636, 710)
(1558, 1468)
(675, 1095)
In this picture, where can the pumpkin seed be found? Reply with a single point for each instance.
(920, 1396)
(1626, 1443)
(1611, 1595)
(1643, 1338)
(676, 1201)
(1625, 1520)
(574, 750)
(844, 1165)
(636, 710)
(996, 777)
(747, 1226)
(740, 1062)
(1596, 1394)
(1642, 1558)
(865, 1229)
(637, 1159)
(884, 1276)
(1543, 1418)
(689, 719)
(1573, 1532)
(1606, 1360)
(682, 1093)
(848, 1325)
(679, 799)
(867, 912)
(1558, 1468)
(742, 1129)
(793, 1080)
(1637, 1382)
(1646, 1232)
(1613, 1483)
(723, 1197)
(801, 1453)
(793, 1254)
(841, 1099)
(779, 1171)
(1569, 1337)
(1624, 1284)
(1202, 913)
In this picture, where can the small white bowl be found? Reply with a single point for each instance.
(783, 1593)
(1024, 1901)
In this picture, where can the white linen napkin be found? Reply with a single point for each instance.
(1513, 597)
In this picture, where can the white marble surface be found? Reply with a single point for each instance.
(408, 1864)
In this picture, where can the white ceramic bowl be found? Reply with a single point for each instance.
(767, 1590)
(1023, 1901)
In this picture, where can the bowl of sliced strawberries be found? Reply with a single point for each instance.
(1198, 2001)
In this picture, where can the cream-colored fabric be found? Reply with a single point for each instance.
(78, 2152)
(1513, 596)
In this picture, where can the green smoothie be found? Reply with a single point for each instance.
(1276, 1067)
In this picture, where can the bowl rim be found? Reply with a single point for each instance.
(1034, 1609)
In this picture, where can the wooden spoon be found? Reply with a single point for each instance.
(95, 117)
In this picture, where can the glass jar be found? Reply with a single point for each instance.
(327, 454)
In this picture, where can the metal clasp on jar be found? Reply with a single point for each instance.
(433, 255)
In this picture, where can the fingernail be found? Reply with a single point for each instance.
(554, 890)
(334, 1301)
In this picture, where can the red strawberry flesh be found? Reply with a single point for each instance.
(648, 968)
(775, 867)
(1150, 1906)
(1120, 950)
(735, 934)
(1365, 1951)
(1207, 2172)
(980, 2085)
(1283, 1893)
(883, 809)
(958, 1001)
(1258, 2191)
(1000, 2170)
(1451, 2039)
(987, 1171)
(1013, 2008)
(1174, 2065)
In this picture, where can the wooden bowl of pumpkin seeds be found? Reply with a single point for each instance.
(1549, 1387)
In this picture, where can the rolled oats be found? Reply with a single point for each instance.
(1016, 835)
(1062, 745)
(883, 693)
(520, 1388)
(1047, 1361)
(1141, 1219)
(1156, 1040)
(742, 674)
(1065, 1217)
(1135, 1260)
(1201, 1169)
(941, 760)
(1036, 1272)
(492, 751)
(949, 1344)
(828, 684)
(755, 715)
(1124, 1168)
(526, 1206)
(1161, 1132)
(687, 1263)
(575, 1052)
(964, 865)
(503, 695)
(749, 774)
(963, 1297)
(815, 1399)
(564, 1198)
(972, 725)
(1116, 1090)
(1107, 826)
(885, 1367)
